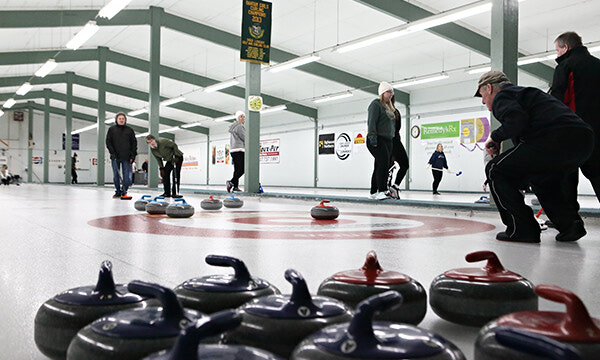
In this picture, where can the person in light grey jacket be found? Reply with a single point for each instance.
(237, 145)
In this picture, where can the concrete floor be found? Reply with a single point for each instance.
(55, 237)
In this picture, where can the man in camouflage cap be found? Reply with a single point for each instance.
(550, 141)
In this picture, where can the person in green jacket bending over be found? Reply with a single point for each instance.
(167, 150)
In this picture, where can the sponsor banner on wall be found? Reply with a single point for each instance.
(450, 129)
(190, 162)
(327, 144)
(269, 151)
(343, 146)
(359, 144)
(220, 154)
(37, 160)
(74, 141)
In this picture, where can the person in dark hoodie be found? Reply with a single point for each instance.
(438, 163)
(237, 141)
(551, 141)
(575, 83)
(122, 146)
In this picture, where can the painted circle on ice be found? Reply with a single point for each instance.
(293, 225)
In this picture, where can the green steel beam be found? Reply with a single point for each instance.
(46, 110)
(403, 10)
(30, 145)
(41, 56)
(64, 18)
(100, 139)
(69, 127)
(153, 70)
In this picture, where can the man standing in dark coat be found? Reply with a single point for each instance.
(122, 146)
(576, 83)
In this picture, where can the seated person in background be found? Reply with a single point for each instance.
(5, 176)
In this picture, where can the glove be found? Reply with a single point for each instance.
(162, 172)
(373, 142)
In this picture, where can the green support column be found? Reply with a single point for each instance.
(154, 98)
(101, 139)
(207, 159)
(68, 127)
(408, 137)
(30, 145)
(316, 154)
(252, 157)
(46, 160)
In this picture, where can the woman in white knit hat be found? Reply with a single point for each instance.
(381, 123)
(237, 145)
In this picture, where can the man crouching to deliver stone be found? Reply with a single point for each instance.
(551, 141)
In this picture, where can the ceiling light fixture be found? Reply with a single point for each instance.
(333, 97)
(24, 89)
(191, 125)
(83, 129)
(224, 118)
(221, 85)
(142, 134)
(84, 35)
(9, 103)
(299, 61)
(370, 40)
(478, 69)
(137, 112)
(171, 129)
(172, 101)
(272, 109)
(419, 80)
(46, 68)
(450, 16)
(112, 8)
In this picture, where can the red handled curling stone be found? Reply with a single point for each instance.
(575, 327)
(354, 286)
(59, 319)
(537, 346)
(364, 339)
(277, 323)
(180, 209)
(188, 345)
(133, 334)
(214, 293)
(474, 296)
(157, 206)
(211, 204)
(324, 212)
(141, 203)
(233, 202)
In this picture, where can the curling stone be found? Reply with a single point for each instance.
(324, 212)
(133, 334)
(141, 203)
(211, 204)
(575, 328)
(180, 209)
(233, 202)
(188, 345)
(277, 323)
(59, 319)
(364, 339)
(214, 293)
(474, 296)
(354, 286)
(157, 206)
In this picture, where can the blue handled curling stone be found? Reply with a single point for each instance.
(141, 203)
(362, 338)
(324, 212)
(60, 318)
(188, 345)
(157, 206)
(211, 203)
(571, 334)
(474, 296)
(277, 323)
(180, 209)
(353, 286)
(233, 202)
(134, 334)
(213, 293)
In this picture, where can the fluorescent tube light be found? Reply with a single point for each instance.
(187, 126)
(535, 58)
(333, 97)
(450, 16)
(109, 121)
(112, 8)
(46, 68)
(422, 80)
(1, 112)
(171, 129)
(9, 103)
(137, 112)
(142, 134)
(91, 127)
(24, 89)
(375, 39)
(172, 101)
(302, 60)
(273, 109)
(221, 85)
(478, 69)
(84, 35)
(224, 118)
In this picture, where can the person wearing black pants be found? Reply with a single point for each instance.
(380, 124)
(399, 155)
(551, 142)
(237, 144)
(167, 150)
(438, 164)
(74, 169)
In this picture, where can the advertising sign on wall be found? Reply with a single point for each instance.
(343, 146)
(269, 151)
(327, 144)
(74, 141)
(360, 142)
(450, 129)
(38, 160)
